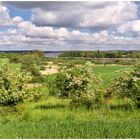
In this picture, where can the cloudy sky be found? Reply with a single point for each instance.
(70, 25)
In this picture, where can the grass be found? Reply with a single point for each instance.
(72, 129)
(52, 118)
(108, 72)
(13, 65)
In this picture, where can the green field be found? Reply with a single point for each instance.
(108, 72)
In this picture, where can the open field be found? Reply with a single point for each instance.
(108, 72)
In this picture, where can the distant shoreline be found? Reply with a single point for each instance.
(26, 51)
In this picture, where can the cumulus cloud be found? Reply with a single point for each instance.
(85, 14)
(31, 30)
(28, 35)
(79, 14)
(71, 26)
(5, 19)
(57, 5)
(133, 26)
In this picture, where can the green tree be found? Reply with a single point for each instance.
(38, 52)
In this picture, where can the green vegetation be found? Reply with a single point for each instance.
(80, 101)
(13, 85)
(80, 85)
(109, 72)
(52, 118)
(128, 85)
(29, 64)
(100, 54)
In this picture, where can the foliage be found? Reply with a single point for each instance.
(42, 67)
(39, 79)
(38, 52)
(29, 64)
(13, 85)
(128, 85)
(101, 54)
(80, 85)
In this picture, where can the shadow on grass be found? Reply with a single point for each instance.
(122, 106)
(58, 106)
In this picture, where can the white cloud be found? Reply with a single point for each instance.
(5, 19)
(30, 30)
(86, 14)
(133, 26)
(48, 30)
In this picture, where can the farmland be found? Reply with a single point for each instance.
(51, 116)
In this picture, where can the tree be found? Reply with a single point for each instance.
(38, 52)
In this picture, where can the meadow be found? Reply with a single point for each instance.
(52, 117)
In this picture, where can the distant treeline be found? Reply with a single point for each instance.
(17, 57)
(102, 54)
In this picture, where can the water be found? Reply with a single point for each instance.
(52, 54)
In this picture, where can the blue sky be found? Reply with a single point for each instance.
(25, 14)
(70, 25)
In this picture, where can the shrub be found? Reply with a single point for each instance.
(15, 59)
(39, 79)
(29, 64)
(42, 67)
(128, 85)
(80, 85)
(13, 85)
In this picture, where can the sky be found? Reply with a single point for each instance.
(71, 25)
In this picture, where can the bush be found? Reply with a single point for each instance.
(39, 79)
(30, 65)
(80, 85)
(13, 85)
(128, 85)
(42, 67)
(15, 59)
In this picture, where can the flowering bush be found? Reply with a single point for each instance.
(128, 85)
(80, 85)
(13, 85)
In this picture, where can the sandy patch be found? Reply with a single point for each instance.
(50, 70)
(35, 85)
(50, 62)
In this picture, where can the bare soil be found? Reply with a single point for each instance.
(50, 70)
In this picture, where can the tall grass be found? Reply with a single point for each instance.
(52, 118)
